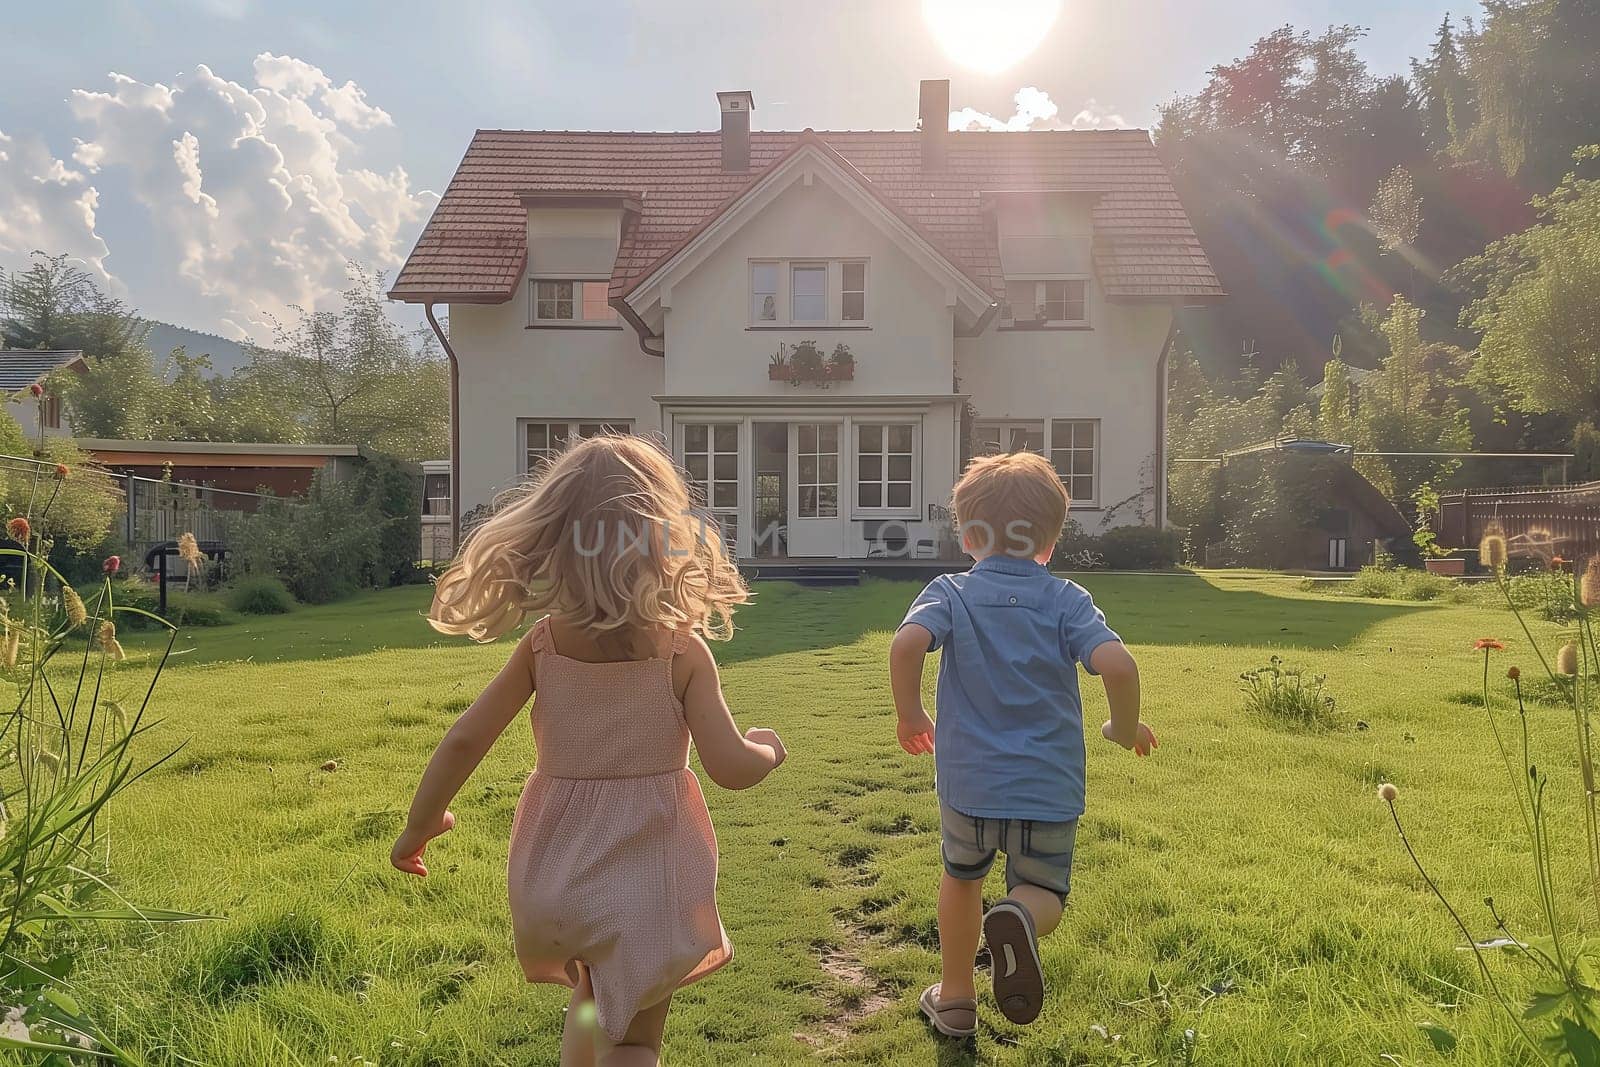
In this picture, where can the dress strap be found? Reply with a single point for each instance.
(680, 641)
(539, 636)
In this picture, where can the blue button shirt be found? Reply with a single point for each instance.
(1008, 740)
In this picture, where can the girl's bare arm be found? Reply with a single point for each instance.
(458, 755)
(733, 761)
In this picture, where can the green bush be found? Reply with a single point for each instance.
(1373, 582)
(1547, 595)
(394, 488)
(260, 594)
(1289, 695)
(1140, 548)
(1421, 585)
(323, 547)
(183, 608)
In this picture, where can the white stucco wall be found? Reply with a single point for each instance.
(712, 348)
(509, 373)
(1107, 373)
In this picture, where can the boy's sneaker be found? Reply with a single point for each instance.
(1014, 961)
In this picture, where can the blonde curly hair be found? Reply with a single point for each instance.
(605, 538)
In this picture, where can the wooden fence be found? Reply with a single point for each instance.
(1538, 521)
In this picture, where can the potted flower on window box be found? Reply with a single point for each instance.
(804, 364)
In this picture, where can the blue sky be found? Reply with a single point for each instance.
(213, 187)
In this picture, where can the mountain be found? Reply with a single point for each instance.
(226, 356)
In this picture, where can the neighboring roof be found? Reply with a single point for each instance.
(235, 453)
(1363, 494)
(22, 367)
(474, 246)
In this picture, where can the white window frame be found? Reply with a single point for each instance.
(578, 321)
(571, 430)
(1040, 281)
(1002, 429)
(833, 294)
(1053, 447)
(817, 453)
(723, 512)
(883, 509)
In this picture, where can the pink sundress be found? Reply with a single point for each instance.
(613, 858)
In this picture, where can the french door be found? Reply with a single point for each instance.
(815, 525)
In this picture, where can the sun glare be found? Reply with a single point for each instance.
(992, 35)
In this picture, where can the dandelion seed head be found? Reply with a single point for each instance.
(1589, 584)
(1567, 659)
(1387, 792)
(1492, 550)
(77, 613)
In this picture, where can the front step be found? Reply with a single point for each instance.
(805, 574)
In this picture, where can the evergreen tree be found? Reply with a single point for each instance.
(1445, 91)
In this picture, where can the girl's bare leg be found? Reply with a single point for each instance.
(641, 1045)
(579, 1032)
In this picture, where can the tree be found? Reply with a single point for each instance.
(1536, 307)
(1446, 92)
(55, 305)
(1336, 411)
(356, 376)
(1396, 211)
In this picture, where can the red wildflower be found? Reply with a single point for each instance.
(62, 470)
(1513, 673)
(112, 565)
(1485, 644)
(19, 529)
(36, 389)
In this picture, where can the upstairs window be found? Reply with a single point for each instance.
(559, 301)
(811, 292)
(1039, 303)
(999, 438)
(809, 299)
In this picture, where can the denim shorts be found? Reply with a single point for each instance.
(1037, 853)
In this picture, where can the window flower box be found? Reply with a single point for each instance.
(804, 364)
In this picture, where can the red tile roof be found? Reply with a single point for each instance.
(474, 246)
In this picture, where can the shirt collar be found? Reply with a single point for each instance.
(1002, 564)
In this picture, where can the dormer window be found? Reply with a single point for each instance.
(809, 292)
(570, 302)
(1046, 303)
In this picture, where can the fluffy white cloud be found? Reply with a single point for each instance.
(48, 206)
(257, 195)
(1036, 111)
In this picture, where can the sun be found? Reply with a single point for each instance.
(989, 36)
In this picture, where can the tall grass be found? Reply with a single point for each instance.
(1559, 1021)
(67, 750)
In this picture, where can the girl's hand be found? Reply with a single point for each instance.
(760, 735)
(916, 734)
(408, 848)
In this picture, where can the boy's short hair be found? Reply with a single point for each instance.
(1012, 504)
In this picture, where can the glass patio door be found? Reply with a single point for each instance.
(815, 526)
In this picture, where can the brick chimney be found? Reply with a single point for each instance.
(933, 116)
(736, 108)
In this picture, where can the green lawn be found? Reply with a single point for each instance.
(1248, 867)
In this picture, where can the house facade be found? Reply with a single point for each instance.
(22, 368)
(823, 327)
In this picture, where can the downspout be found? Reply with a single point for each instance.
(1160, 472)
(638, 324)
(455, 427)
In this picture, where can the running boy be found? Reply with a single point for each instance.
(1008, 747)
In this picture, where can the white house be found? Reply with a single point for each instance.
(824, 326)
(21, 368)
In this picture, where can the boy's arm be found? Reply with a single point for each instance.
(907, 652)
(1120, 675)
(458, 755)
